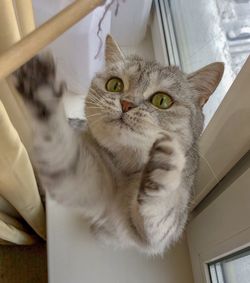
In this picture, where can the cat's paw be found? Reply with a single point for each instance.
(163, 170)
(38, 71)
(36, 82)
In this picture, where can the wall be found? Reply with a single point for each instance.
(144, 48)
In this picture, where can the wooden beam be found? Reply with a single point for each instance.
(31, 44)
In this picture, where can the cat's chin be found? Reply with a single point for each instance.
(120, 129)
(116, 132)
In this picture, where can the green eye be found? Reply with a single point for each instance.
(114, 85)
(162, 100)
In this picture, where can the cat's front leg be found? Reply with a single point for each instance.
(160, 209)
(55, 144)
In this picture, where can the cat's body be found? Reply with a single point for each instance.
(131, 172)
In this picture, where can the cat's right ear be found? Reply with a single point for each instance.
(113, 52)
(206, 80)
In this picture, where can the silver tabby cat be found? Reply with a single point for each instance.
(132, 170)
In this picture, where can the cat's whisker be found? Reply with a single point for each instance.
(92, 105)
(93, 90)
(93, 99)
(96, 96)
(95, 107)
(92, 115)
(95, 103)
(92, 123)
(96, 99)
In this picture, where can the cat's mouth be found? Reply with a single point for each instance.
(121, 123)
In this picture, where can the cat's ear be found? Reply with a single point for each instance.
(113, 52)
(206, 80)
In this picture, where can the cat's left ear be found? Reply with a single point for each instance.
(206, 80)
(113, 52)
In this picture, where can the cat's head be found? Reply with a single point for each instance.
(133, 100)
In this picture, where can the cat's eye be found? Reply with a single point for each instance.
(114, 85)
(162, 100)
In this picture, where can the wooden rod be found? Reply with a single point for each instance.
(31, 44)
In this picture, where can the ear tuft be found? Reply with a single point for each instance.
(206, 80)
(113, 52)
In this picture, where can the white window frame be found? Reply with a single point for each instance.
(223, 226)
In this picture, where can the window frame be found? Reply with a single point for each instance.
(231, 257)
(227, 228)
(214, 162)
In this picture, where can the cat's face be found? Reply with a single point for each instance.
(132, 101)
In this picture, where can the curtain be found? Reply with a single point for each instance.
(22, 216)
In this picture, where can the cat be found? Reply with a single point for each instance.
(132, 170)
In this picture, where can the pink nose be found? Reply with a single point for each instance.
(126, 105)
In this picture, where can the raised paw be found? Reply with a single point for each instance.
(160, 155)
(164, 167)
(36, 82)
(39, 71)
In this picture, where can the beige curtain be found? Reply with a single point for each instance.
(20, 203)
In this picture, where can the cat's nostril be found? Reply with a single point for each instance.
(127, 105)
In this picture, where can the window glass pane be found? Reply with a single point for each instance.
(232, 269)
(212, 30)
(219, 273)
(213, 274)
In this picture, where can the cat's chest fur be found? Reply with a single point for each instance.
(125, 169)
(123, 162)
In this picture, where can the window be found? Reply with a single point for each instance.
(198, 32)
(231, 269)
(221, 226)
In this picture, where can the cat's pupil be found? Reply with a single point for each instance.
(161, 101)
(115, 86)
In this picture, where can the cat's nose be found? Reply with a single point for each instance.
(127, 105)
